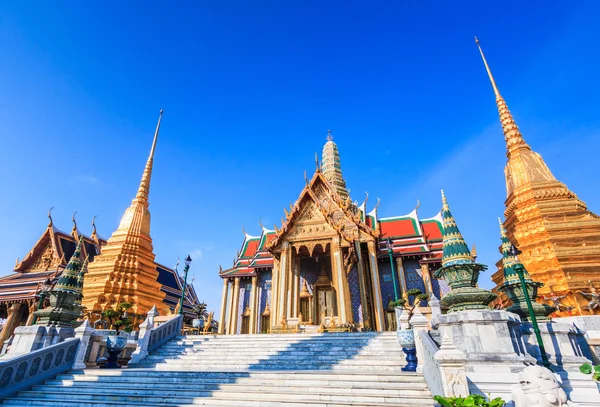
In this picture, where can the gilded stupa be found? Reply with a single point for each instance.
(558, 236)
(126, 271)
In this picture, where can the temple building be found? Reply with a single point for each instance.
(558, 236)
(329, 263)
(120, 269)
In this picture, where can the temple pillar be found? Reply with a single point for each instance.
(290, 284)
(274, 293)
(341, 282)
(11, 322)
(229, 306)
(296, 289)
(236, 302)
(378, 303)
(283, 278)
(253, 307)
(222, 316)
(401, 276)
(427, 279)
(362, 286)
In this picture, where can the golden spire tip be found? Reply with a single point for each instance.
(50, 216)
(487, 68)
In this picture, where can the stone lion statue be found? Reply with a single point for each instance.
(538, 387)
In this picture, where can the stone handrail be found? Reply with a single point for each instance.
(24, 371)
(165, 332)
(151, 337)
(432, 371)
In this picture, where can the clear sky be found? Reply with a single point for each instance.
(249, 90)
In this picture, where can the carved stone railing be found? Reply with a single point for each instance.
(165, 332)
(443, 368)
(24, 371)
(151, 337)
(432, 371)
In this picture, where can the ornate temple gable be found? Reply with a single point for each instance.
(321, 212)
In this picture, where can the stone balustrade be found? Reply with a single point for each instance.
(32, 368)
(152, 337)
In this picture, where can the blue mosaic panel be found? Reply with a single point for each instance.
(354, 286)
(264, 294)
(386, 282)
(241, 308)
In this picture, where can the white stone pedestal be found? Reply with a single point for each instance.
(30, 338)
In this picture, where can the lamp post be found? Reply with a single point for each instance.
(188, 261)
(536, 329)
(44, 290)
(390, 251)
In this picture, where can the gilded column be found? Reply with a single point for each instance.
(401, 276)
(427, 279)
(234, 310)
(290, 284)
(222, 316)
(362, 285)
(229, 306)
(296, 286)
(11, 321)
(343, 291)
(378, 303)
(283, 278)
(274, 293)
(253, 307)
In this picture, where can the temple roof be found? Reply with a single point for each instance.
(410, 236)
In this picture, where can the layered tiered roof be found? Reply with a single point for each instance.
(410, 236)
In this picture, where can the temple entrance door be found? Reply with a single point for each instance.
(305, 310)
(245, 325)
(326, 303)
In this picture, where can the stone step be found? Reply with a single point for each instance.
(211, 384)
(153, 375)
(384, 359)
(127, 396)
(132, 389)
(31, 402)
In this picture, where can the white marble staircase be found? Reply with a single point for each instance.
(314, 370)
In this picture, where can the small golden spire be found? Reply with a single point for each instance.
(50, 223)
(512, 135)
(17, 263)
(144, 188)
(474, 252)
(444, 202)
(316, 161)
(329, 136)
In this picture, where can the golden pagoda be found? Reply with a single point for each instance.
(126, 271)
(558, 236)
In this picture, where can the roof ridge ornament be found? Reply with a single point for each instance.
(74, 230)
(50, 223)
(144, 188)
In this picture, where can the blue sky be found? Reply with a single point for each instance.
(249, 90)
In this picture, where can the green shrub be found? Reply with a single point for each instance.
(586, 368)
(474, 400)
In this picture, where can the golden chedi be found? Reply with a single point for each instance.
(558, 236)
(126, 271)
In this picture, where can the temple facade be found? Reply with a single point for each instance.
(120, 269)
(558, 236)
(331, 263)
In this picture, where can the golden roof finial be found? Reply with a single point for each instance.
(474, 251)
(50, 223)
(444, 202)
(496, 91)
(502, 230)
(329, 136)
(74, 230)
(260, 223)
(144, 188)
(316, 161)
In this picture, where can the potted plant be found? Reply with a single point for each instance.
(120, 320)
(200, 311)
(404, 331)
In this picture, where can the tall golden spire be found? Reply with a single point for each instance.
(144, 188)
(512, 135)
